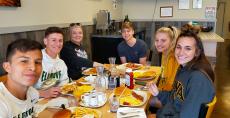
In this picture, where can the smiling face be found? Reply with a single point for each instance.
(76, 34)
(24, 68)
(54, 43)
(162, 42)
(185, 50)
(127, 34)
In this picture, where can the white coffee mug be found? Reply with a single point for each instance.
(93, 100)
(86, 99)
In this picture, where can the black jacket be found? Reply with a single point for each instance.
(75, 58)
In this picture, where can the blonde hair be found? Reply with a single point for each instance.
(173, 33)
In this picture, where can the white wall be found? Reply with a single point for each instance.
(143, 10)
(37, 14)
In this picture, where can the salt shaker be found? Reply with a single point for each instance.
(114, 104)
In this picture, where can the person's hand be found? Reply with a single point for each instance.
(95, 64)
(153, 88)
(51, 92)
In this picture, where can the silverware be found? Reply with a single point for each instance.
(130, 116)
(129, 112)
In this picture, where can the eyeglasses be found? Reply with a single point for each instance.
(75, 24)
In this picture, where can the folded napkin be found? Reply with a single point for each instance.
(53, 103)
(131, 112)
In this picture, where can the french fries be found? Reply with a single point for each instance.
(81, 111)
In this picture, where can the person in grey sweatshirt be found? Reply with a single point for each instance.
(193, 85)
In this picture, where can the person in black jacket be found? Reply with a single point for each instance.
(74, 54)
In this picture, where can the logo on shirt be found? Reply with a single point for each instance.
(32, 101)
(81, 53)
(178, 90)
(46, 75)
(25, 114)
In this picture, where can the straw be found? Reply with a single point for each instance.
(122, 93)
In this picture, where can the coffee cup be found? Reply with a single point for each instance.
(86, 99)
(93, 100)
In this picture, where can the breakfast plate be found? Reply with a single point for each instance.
(90, 78)
(133, 66)
(131, 99)
(90, 71)
(68, 88)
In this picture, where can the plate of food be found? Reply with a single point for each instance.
(89, 78)
(90, 71)
(130, 98)
(144, 74)
(81, 90)
(68, 88)
(133, 66)
(82, 112)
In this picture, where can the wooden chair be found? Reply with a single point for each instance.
(206, 109)
(3, 78)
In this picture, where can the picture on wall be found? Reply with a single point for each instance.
(166, 11)
(10, 3)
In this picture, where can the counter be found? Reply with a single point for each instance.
(210, 40)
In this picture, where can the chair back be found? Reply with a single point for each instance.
(207, 109)
(211, 107)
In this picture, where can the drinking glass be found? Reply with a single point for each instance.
(112, 60)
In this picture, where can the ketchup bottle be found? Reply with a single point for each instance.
(129, 78)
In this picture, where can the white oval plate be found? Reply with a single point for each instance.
(142, 93)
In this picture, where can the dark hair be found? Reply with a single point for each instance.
(127, 25)
(51, 30)
(22, 45)
(199, 62)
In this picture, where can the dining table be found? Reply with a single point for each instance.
(105, 109)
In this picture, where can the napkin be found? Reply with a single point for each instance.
(53, 103)
(131, 112)
(90, 78)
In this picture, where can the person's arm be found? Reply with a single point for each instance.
(199, 90)
(159, 98)
(50, 93)
(123, 60)
(143, 60)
